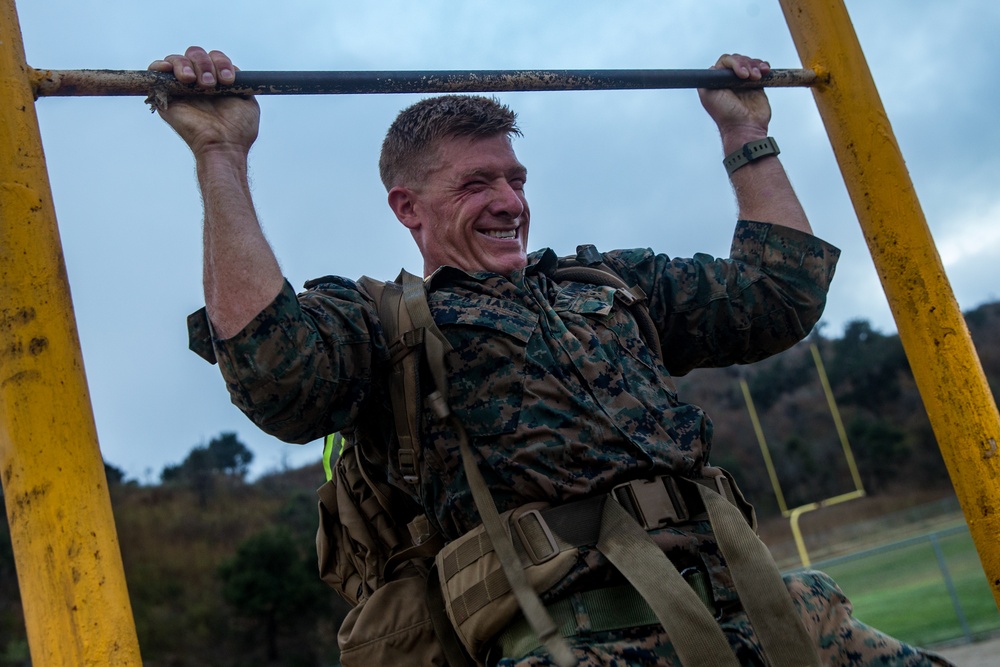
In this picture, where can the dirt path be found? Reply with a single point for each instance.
(978, 654)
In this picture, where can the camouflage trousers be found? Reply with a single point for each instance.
(842, 640)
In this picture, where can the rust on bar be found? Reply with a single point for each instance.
(88, 82)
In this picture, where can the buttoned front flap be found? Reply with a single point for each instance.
(604, 314)
(586, 299)
(489, 337)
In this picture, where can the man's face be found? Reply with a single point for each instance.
(470, 212)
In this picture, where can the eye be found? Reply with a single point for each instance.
(517, 183)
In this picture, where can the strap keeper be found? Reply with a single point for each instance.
(631, 296)
(408, 465)
(721, 483)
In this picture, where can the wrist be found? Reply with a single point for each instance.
(217, 160)
(220, 153)
(734, 138)
(750, 152)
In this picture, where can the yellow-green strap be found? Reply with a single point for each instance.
(694, 633)
(332, 442)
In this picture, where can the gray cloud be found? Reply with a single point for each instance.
(615, 169)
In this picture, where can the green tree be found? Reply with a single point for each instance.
(880, 446)
(269, 582)
(229, 456)
(114, 474)
(866, 366)
(224, 456)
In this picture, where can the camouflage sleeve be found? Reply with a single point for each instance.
(303, 367)
(763, 299)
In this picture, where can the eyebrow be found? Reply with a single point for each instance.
(520, 171)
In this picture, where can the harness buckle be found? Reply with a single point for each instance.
(722, 485)
(536, 535)
(653, 502)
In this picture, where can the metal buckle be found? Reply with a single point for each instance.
(655, 502)
(529, 544)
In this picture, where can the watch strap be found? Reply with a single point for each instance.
(752, 150)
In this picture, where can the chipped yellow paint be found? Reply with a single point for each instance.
(69, 565)
(957, 398)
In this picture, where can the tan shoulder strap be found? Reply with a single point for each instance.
(762, 591)
(694, 633)
(407, 324)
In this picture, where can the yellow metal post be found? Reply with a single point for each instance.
(69, 565)
(764, 449)
(948, 373)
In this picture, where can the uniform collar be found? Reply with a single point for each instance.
(539, 261)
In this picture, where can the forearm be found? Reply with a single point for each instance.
(763, 191)
(241, 274)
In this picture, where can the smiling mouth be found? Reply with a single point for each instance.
(501, 233)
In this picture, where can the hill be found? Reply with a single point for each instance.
(191, 543)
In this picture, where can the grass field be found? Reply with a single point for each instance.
(902, 591)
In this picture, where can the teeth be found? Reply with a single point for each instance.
(499, 234)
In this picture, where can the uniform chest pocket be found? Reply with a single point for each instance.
(591, 312)
(487, 364)
(593, 300)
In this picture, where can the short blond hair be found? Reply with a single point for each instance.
(408, 148)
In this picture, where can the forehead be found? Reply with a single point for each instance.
(455, 156)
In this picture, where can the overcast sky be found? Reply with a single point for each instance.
(617, 169)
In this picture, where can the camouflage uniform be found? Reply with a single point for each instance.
(559, 394)
(843, 641)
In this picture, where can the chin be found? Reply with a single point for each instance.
(507, 268)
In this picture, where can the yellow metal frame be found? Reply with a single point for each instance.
(796, 513)
(69, 565)
(958, 400)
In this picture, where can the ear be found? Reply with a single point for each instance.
(403, 202)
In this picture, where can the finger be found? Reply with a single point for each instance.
(204, 68)
(744, 67)
(224, 66)
(179, 65)
(160, 66)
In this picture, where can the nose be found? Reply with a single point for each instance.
(508, 202)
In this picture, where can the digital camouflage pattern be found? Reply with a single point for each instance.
(561, 397)
(843, 640)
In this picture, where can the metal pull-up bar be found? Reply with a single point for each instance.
(69, 567)
(89, 82)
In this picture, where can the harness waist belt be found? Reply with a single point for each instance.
(654, 503)
(598, 610)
